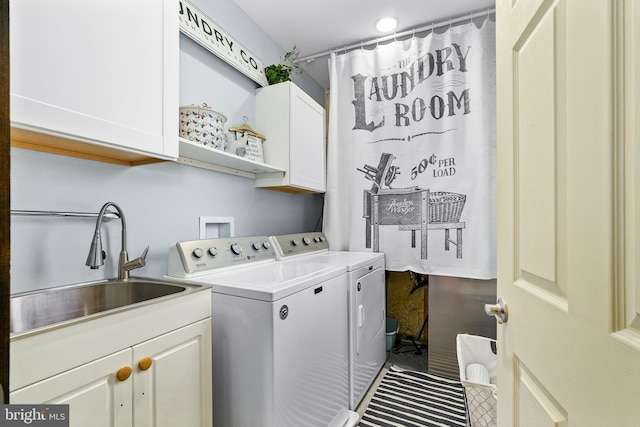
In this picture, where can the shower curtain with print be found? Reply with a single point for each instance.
(411, 152)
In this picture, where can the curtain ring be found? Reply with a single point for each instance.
(449, 23)
(432, 28)
(413, 36)
(471, 18)
(362, 45)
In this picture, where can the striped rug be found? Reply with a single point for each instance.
(415, 399)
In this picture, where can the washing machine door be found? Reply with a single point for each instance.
(370, 311)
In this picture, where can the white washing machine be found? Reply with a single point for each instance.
(280, 342)
(366, 302)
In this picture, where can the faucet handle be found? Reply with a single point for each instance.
(140, 261)
(126, 266)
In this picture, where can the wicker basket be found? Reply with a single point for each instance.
(445, 207)
(481, 398)
(199, 123)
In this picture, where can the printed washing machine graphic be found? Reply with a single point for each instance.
(410, 209)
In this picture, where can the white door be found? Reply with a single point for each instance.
(368, 324)
(370, 313)
(568, 212)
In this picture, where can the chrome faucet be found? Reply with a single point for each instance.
(97, 255)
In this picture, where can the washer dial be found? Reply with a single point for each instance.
(198, 253)
(236, 248)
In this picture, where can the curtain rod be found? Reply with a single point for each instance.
(431, 27)
(109, 215)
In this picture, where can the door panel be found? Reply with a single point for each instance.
(568, 151)
(536, 140)
(628, 268)
(537, 407)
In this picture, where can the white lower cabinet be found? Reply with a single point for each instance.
(165, 381)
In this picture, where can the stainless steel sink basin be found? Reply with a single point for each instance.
(34, 310)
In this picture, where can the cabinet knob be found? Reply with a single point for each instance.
(145, 363)
(123, 373)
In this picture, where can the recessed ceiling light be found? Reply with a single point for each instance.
(385, 25)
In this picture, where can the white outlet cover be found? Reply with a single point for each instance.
(212, 227)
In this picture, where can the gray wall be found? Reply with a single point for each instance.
(162, 202)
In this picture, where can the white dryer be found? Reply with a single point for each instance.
(280, 341)
(366, 302)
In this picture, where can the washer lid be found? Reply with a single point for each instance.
(270, 282)
(351, 260)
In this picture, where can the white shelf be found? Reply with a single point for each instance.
(197, 155)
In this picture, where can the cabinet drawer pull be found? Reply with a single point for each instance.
(123, 373)
(145, 363)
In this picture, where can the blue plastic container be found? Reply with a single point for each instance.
(393, 326)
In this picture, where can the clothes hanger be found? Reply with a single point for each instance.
(248, 129)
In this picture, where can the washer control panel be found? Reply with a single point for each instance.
(197, 256)
(298, 244)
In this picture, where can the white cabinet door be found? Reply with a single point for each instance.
(175, 390)
(94, 394)
(307, 163)
(294, 125)
(101, 72)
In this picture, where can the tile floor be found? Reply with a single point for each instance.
(403, 355)
(408, 355)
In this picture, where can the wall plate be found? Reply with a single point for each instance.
(213, 227)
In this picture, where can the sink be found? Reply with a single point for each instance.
(39, 309)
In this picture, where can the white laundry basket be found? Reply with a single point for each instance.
(478, 373)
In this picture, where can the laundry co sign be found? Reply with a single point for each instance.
(204, 31)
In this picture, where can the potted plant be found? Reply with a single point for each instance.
(278, 73)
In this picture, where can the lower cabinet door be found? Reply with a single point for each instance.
(172, 378)
(94, 392)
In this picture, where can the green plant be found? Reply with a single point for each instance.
(277, 73)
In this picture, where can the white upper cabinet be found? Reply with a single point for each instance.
(99, 77)
(294, 125)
